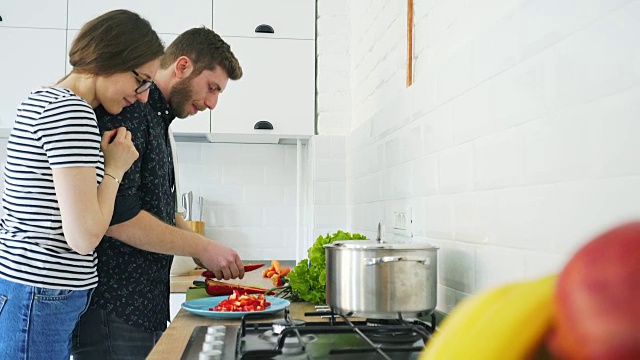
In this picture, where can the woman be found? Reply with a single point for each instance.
(54, 213)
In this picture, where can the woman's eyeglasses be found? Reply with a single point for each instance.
(145, 84)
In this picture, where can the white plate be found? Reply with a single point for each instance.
(202, 306)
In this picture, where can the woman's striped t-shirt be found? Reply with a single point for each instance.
(54, 128)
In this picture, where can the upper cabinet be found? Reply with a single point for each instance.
(170, 17)
(37, 14)
(33, 45)
(282, 19)
(274, 41)
(274, 101)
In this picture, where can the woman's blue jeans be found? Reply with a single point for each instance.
(37, 323)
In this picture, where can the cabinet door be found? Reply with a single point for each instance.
(290, 19)
(42, 14)
(165, 16)
(175, 303)
(28, 67)
(278, 85)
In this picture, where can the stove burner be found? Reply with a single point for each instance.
(292, 345)
(382, 322)
(390, 336)
(394, 336)
(278, 325)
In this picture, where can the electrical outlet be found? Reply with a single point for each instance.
(402, 220)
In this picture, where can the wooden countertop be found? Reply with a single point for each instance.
(175, 338)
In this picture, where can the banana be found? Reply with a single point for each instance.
(506, 322)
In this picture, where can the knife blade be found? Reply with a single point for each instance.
(186, 201)
(247, 268)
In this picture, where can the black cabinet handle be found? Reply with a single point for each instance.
(264, 28)
(0, 17)
(263, 125)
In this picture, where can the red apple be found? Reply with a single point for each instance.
(598, 299)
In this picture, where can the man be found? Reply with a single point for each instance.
(130, 307)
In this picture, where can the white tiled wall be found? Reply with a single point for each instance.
(514, 145)
(249, 193)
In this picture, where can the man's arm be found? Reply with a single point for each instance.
(146, 232)
(181, 223)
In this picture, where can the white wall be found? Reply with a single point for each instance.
(514, 145)
(249, 192)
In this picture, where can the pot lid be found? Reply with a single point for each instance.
(372, 244)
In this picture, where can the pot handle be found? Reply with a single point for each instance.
(388, 259)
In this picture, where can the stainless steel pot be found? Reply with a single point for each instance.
(381, 280)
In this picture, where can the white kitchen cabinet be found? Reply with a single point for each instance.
(277, 86)
(289, 19)
(165, 16)
(38, 14)
(175, 303)
(278, 82)
(33, 58)
(33, 50)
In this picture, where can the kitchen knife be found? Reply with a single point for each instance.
(187, 199)
(184, 206)
(190, 204)
(247, 268)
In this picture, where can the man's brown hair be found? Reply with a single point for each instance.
(114, 42)
(205, 49)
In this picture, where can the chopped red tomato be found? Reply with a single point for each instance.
(242, 302)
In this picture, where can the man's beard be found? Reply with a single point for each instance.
(181, 95)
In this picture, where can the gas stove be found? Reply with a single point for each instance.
(335, 338)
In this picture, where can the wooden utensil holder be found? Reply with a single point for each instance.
(196, 226)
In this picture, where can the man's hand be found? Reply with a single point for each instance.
(223, 261)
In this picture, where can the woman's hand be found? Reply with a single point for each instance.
(119, 151)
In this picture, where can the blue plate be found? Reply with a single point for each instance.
(202, 306)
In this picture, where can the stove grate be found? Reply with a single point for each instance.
(365, 330)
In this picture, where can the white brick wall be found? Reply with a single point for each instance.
(514, 145)
(329, 211)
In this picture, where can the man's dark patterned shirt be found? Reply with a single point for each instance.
(134, 284)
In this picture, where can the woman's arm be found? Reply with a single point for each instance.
(85, 210)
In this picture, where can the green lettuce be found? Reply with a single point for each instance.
(308, 278)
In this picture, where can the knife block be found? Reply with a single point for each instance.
(196, 226)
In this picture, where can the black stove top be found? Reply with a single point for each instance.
(286, 338)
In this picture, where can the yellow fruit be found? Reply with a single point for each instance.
(506, 322)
